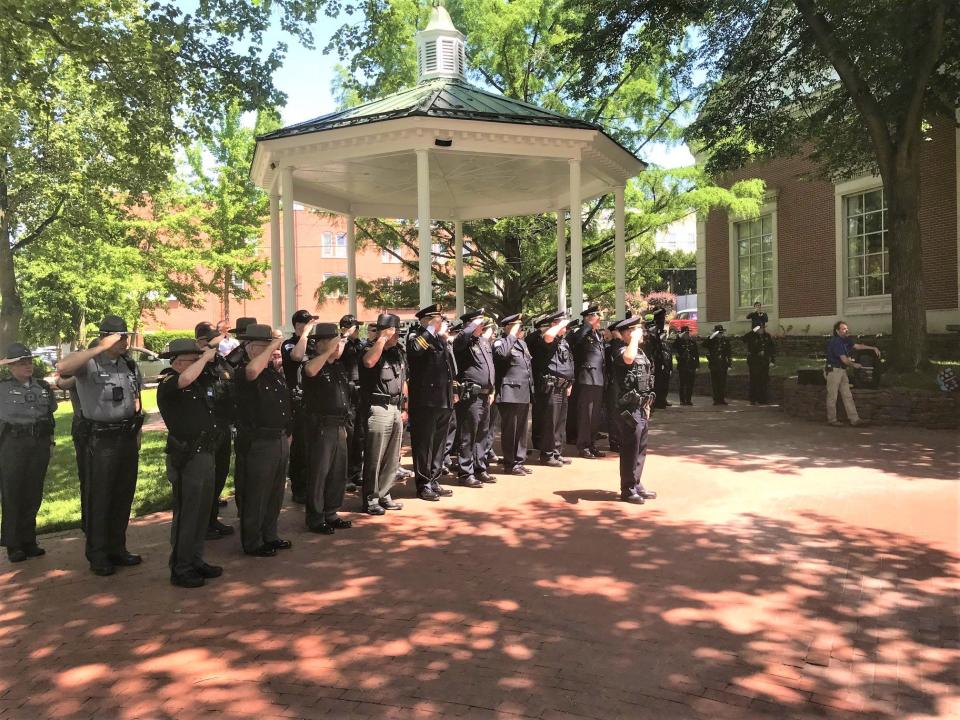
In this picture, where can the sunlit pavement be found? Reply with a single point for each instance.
(788, 569)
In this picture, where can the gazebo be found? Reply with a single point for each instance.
(443, 150)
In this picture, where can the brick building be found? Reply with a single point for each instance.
(818, 251)
(321, 249)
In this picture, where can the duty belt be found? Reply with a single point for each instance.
(385, 400)
(41, 428)
(556, 382)
(261, 433)
(130, 425)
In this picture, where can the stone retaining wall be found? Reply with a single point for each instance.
(738, 386)
(941, 346)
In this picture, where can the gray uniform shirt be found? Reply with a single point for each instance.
(109, 390)
(25, 404)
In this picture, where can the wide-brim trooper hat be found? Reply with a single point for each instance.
(325, 331)
(257, 331)
(113, 324)
(15, 352)
(242, 325)
(180, 346)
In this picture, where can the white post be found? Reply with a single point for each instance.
(620, 252)
(289, 249)
(351, 265)
(576, 240)
(458, 263)
(423, 227)
(276, 283)
(561, 261)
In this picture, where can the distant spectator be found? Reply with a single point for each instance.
(758, 316)
(228, 344)
(839, 349)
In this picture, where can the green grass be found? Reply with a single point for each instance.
(787, 366)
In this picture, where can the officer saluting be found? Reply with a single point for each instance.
(611, 396)
(633, 375)
(719, 360)
(293, 351)
(432, 373)
(26, 434)
(514, 373)
(188, 406)
(108, 384)
(353, 350)
(761, 354)
(659, 352)
(477, 378)
(587, 344)
(553, 381)
(688, 360)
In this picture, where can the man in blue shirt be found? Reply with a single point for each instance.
(839, 349)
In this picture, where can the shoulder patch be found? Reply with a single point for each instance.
(421, 342)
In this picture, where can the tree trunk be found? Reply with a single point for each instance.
(228, 276)
(12, 309)
(512, 300)
(902, 189)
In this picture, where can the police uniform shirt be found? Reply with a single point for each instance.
(386, 377)
(688, 357)
(551, 358)
(350, 359)
(432, 369)
(265, 401)
(25, 404)
(188, 411)
(718, 351)
(474, 358)
(327, 392)
(588, 356)
(612, 352)
(514, 370)
(291, 367)
(218, 377)
(641, 367)
(109, 389)
(759, 345)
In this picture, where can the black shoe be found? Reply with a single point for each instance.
(222, 528)
(321, 529)
(280, 544)
(564, 460)
(16, 555)
(263, 551)
(338, 523)
(632, 498)
(486, 478)
(208, 571)
(586, 454)
(34, 550)
(102, 570)
(722, 402)
(425, 494)
(517, 470)
(598, 453)
(471, 482)
(551, 462)
(125, 560)
(526, 470)
(351, 488)
(372, 508)
(390, 504)
(212, 534)
(446, 471)
(187, 580)
(441, 491)
(648, 494)
(493, 458)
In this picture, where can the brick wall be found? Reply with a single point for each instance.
(938, 217)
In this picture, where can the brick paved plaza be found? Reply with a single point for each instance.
(787, 570)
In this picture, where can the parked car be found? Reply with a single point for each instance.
(685, 318)
(151, 364)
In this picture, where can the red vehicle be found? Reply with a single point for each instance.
(685, 318)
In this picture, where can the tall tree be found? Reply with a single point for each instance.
(857, 81)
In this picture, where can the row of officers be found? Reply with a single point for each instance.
(328, 408)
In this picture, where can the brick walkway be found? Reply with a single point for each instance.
(788, 570)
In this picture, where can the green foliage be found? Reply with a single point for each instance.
(382, 293)
(157, 341)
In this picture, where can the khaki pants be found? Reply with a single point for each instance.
(837, 381)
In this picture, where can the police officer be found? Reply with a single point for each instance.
(662, 358)
(611, 396)
(26, 434)
(514, 374)
(264, 422)
(188, 406)
(688, 360)
(293, 351)
(451, 449)
(353, 350)
(587, 344)
(758, 316)
(217, 379)
(761, 354)
(109, 383)
(719, 360)
(327, 405)
(477, 378)
(633, 375)
(78, 432)
(432, 374)
(383, 388)
(553, 373)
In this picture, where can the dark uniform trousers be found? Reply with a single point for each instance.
(661, 386)
(473, 424)
(685, 380)
(428, 439)
(451, 444)
(718, 383)
(79, 435)
(493, 428)
(513, 433)
(633, 450)
(193, 487)
(550, 409)
(298, 452)
(613, 420)
(24, 463)
(759, 368)
(327, 468)
(221, 464)
(111, 480)
(263, 468)
(356, 441)
(589, 403)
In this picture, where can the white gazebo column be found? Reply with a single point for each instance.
(289, 249)
(620, 252)
(576, 240)
(423, 227)
(276, 284)
(561, 261)
(458, 264)
(351, 265)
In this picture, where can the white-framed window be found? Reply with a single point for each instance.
(333, 246)
(753, 243)
(388, 258)
(238, 282)
(865, 243)
(328, 275)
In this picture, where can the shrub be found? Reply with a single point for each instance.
(157, 341)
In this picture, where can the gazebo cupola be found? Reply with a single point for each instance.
(441, 48)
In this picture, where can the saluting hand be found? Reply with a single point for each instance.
(109, 341)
